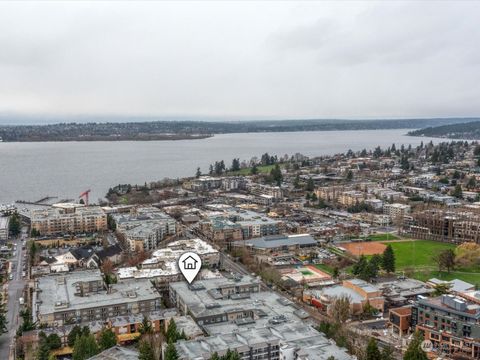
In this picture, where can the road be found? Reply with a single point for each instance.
(15, 291)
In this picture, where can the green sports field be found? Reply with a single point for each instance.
(417, 256)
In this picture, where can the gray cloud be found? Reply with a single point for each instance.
(242, 59)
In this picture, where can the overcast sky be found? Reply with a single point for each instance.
(241, 59)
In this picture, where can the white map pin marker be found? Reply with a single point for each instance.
(189, 265)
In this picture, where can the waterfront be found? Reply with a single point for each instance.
(30, 171)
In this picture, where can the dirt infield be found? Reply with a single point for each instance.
(364, 248)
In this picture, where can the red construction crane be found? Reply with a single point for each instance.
(85, 196)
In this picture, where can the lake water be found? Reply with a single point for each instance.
(30, 171)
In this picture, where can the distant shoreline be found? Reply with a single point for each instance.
(194, 130)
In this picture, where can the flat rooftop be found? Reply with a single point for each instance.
(57, 292)
(275, 241)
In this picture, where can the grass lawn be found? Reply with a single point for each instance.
(382, 237)
(264, 169)
(325, 268)
(417, 255)
(306, 272)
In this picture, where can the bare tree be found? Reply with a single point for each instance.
(339, 309)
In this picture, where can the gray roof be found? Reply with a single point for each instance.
(274, 241)
(117, 353)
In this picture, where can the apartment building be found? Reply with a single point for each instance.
(232, 224)
(442, 225)
(451, 323)
(277, 243)
(144, 228)
(68, 220)
(4, 221)
(396, 211)
(162, 267)
(237, 315)
(82, 296)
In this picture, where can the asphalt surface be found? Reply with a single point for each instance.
(15, 292)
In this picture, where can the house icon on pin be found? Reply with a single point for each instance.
(189, 263)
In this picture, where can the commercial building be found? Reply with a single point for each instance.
(4, 221)
(276, 243)
(360, 293)
(82, 296)
(451, 323)
(144, 228)
(162, 267)
(68, 220)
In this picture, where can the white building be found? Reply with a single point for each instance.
(396, 211)
(4, 221)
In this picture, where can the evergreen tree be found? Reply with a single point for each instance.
(85, 347)
(171, 352)
(360, 265)
(235, 165)
(388, 259)
(414, 351)
(349, 176)
(74, 333)
(3, 318)
(107, 339)
(54, 341)
(146, 327)
(387, 353)
(457, 192)
(372, 350)
(145, 351)
(254, 169)
(276, 174)
(43, 351)
(172, 332)
(14, 225)
(310, 185)
(198, 173)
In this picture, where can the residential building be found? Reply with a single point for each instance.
(396, 211)
(4, 221)
(162, 267)
(82, 296)
(68, 220)
(451, 323)
(145, 228)
(399, 320)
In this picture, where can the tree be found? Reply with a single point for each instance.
(3, 319)
(85, 347)
(372, 350)
(472, 183)
(74, 333)
(339, 309)
(107, 339)
(276, 174)
(445, 260)
(171, 352)
(360, 265)
(145, 351)
(296, 182)
(54, 341)
(146, 327)
(457, 192)
(387, 353)
(388, 259)
(254, 170)
(43, 352)
(349, 176)
(198, 173)
(442, 288)
(414, 351)
(310, 186)
(14, 225)
(235, 165)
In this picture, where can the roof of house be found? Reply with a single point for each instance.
(109, 251)
(81, 253)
